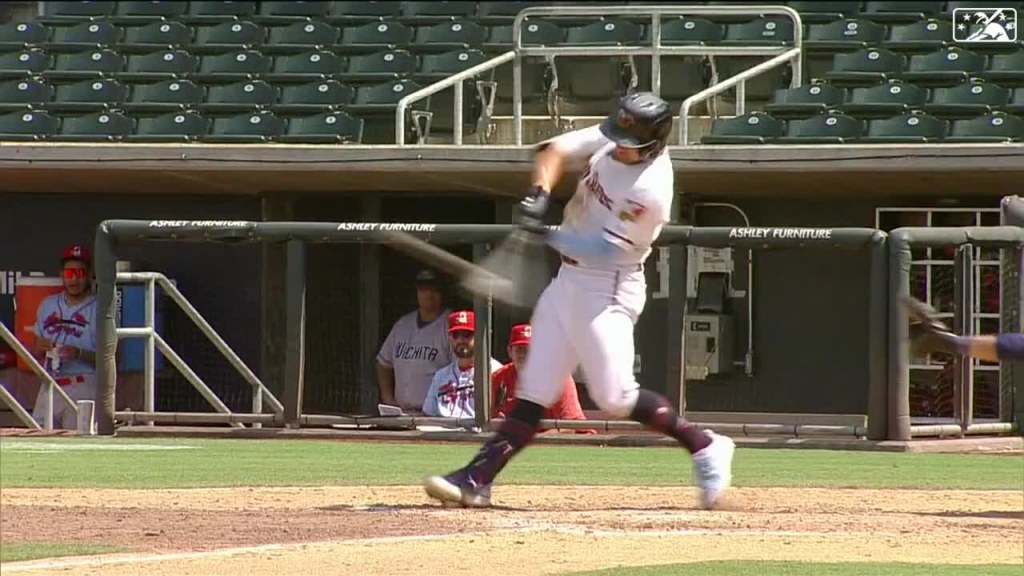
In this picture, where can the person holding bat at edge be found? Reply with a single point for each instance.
(587, 313)
(930, 335)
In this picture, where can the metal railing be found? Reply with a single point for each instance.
(154, 341)
(45, 380)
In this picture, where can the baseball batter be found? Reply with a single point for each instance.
(586, 315)
(66, 337)
(929, 334)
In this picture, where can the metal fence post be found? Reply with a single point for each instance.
(482, 341)
(295, 330)
(963, 320)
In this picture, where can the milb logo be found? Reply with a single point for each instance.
(991, 25)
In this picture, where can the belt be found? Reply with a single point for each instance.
(69, 380)
(634, 268)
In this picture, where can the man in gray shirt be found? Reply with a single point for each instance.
(415, 349)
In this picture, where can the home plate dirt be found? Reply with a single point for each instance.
(538, 529)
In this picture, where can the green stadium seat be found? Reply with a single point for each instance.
(944, 67)
(233, 67)
(911, 128)
(609, 32)
(417, 13)
(325, 95)
(689, 31)
(88, 96)
(132, 12)
(814, 11)
(920, 36)
(300, 36)
(1005, 69)
(155, 36)
(967, 100)
(361, 11)
(681, 77)
(379, 67)
(1016, 103)
(25, 63)
(885, 100)
(24, 94)
(17, 36)
(994, 127)
(590, 85)
(163, 65)
(166, 96)
(804, 101)
(773, 31)
(539, 33)
(95, 127)
(448, 36)
(252, 128)
(537, 75)
(27, 126)
(84, 36)
(844, 35)
(501, 13)
(247, 96)
(828, 128)
(306, 67)
(55, 12)
(436, 114)
(227, 37)
(374, 37)
(901, 10)
(376, 106)
(184, 126)
(214, 12)
(87, 64)
(865, 67)
(271, 13)
(436, 67)
(327, 128)
(750, 128)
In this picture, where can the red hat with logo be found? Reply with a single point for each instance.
(520, 335)
(76, 252)
(461, 320)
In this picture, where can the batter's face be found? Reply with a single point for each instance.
(76, 277)
(428, 298)
(628, 155)
(518, 355)
(462, 343)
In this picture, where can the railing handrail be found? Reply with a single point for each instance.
(724, 85)
(436, 87)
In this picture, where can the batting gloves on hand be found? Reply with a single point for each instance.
(532, 210)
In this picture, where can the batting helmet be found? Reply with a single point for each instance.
(642, 121)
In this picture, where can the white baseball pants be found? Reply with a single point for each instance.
(62, 416)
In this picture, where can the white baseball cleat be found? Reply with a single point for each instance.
(458, 488)
(713, 468)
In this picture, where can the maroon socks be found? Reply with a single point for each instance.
(654, 411)
(515, 433)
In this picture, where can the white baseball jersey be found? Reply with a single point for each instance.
(629, 204)
(67, 325)
(452, 392)
(416, 354)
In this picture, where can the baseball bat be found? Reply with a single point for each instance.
(440, 258)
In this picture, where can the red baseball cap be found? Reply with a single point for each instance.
(76, 252)
(461, 320)
(521, 334)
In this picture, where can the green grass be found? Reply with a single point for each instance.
(747, 568)
(20, 551)
(114, 463)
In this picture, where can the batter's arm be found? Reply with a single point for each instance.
(552, 155)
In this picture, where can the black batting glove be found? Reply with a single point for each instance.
(532, 210)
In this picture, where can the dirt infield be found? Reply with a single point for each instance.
(538, 530)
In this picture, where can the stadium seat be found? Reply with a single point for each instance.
(966, 100)
(750, 128)
(994, 127)
(184, 126)
(326, 95)
(247, 96)
(135, 12)
(944, 67)
(374, 37)
(300, 36)
(536, 80)
(88, 96)
(155, 36)
(22, 64)
(306, 67)
(17, 36)
(379, 67)
(844, 35)
(327, 128)
(1016, 103)
(227, 37)
(447, 36)
(920, 36)
(911, 128)
(590, 85)
(95, 127)
(27, 126)
(276, 13)
(435, 114)
(608, 32)
(804, 101)
(773, 31)
(84, 36)
(253, 128)
(163, 65)
(71, 11)
(1005, 69)
(540, 33)
(437, 67)
(901, 10)
(885, 100)
(814, 11)
(688, 31)
(214, 12)
(865, 67)
(501, 13)
(88, 64)
(828, 128)
(166, 96)
(360, 11)
(376, 105)
(417, 13)
(24, 94)
(681, 77)
(232, 67)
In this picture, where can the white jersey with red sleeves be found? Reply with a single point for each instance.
(452, 392)
(64, 324)
(628, 204)
(416, 352)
